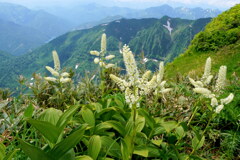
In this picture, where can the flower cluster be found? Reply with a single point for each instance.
(100, 59)
(200, 86)
(61, 77)
(160, 88)
(136, 86)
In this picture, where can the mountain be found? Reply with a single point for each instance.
(179, 12)
(151, 35)
(18, 39)
(22, 29)
(39, 20)
(220, 40)
(93, 12)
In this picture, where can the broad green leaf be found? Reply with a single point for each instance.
(140, 123)
(88, 116)
(158, 130)
(50, 115)
(141, 151)
(157, 142)
(11, 154)
(83, 158)
(94, 146)
(154, 151)
(2, 151)
(117, 126)
(196, 143)
(149, 120)
(48, 130)
(33, 152)
(129, 127)
(29, 111)
(97, 106)
(101, 128)
(70, 155)
(68, 143)
(180, 133)
(111, 146)
(66, 116)
(169, 125)
(119, 103)
(125, 151)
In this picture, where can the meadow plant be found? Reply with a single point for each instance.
(58, 76)
(101, 58)
(201, 87)
(135, 86)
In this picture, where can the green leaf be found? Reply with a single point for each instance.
(119, 103)
(101, 128)
(196, 143)
(66, 116)
(140, 123)
(48, 130)
(50, 115)
(83, 158)
(149, 120)
(88, 116)
(125, 151)
(169, 125)
(94, 146)
(129, 127)
(29, 111)
(117, 126)
(68, 143)
(11, 154)
(180, 133)
(112, 147)
(141, 151)
(97, 106)
(70, 155)
(2, 151)
(157, 142)
(33, 152)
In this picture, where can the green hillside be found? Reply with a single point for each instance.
(220, 41)
(74, 47)
(17, 39)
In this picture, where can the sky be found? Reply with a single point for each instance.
(220, 4)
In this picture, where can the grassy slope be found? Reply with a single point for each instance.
(220, 41)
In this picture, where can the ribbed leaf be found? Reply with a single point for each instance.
(125, 151)
(197, 143)
(2, 151)
(48, 130)
(68, 143)
(94, 146)
(141, 151)
(83, 158)
(140, 123)
(66, 116)
(149, 120)
(117, 126)
(88, 116)
(111, 146)
(50, 115)
(11, 154)
(29, 111)
(169, 125)
(33, 152)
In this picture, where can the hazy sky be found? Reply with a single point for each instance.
(221, 4)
